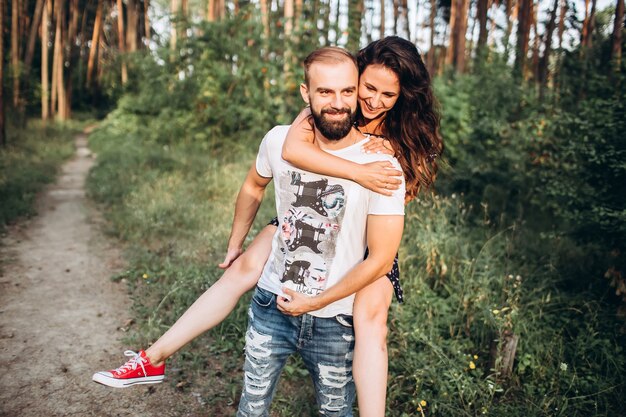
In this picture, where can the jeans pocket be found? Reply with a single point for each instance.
(263, 298)
(345, 320)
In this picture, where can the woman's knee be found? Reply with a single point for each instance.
(252, 261)
(371, 323)
(247, 266)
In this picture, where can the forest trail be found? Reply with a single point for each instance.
(60, 314)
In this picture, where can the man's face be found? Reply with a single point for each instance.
(332, 94)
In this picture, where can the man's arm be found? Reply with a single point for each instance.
(247, 204)
(384, 233)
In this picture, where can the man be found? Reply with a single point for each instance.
(316, 264)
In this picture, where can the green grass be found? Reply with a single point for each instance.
(29, 162)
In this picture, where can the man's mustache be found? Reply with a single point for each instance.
(336, 111)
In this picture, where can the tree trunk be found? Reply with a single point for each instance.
(535, 24)
(15, 52)
(502, 353)
(524, 16)
(58, 86)
(174, 10)
(70, 47)
(404, 19)
(216, 10)
(45, 77)
(288, 16)
(297, 16)
(55, 66)
(544, 65)
(3, 131)
(482, 7)
(370, 22)
(395, 9)
(184, 13)
(210, 10)
(591, 24)
(355, 17)
(508, 11)
(585, 29)
(326, 23)
(146, 20)
(335, 25)
(121, 40)
(132, 19)
(265, 18)
(562, 22)
(97, 26)
(452, 29)
(288, 56)
(616, 50)
(315, 10)
(382, 18)
(32, 37)
(462, 16)
(100, 61)
(472, 42)
(430, 56)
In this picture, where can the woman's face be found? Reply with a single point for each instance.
(379, 89)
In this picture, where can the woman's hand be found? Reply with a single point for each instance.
(380, 177)
(377, 144)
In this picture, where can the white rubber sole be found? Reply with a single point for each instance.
(104, 379)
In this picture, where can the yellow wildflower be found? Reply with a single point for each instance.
(472, 365)
(475, 357)
(423, 403)
(495, 312)
(145, 276)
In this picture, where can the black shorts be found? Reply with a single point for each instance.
(393, 275)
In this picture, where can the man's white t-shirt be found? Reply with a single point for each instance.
(322, 222)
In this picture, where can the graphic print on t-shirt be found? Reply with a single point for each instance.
(311, 220)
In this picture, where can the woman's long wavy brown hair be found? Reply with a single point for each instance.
(412, 124)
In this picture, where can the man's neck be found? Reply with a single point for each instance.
(333, 145)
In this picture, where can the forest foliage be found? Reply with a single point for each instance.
(513, 268)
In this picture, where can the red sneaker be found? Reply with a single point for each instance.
(138, 370)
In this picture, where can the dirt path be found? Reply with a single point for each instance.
(60, 314)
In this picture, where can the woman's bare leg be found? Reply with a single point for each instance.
(369, 367)
(212, 307)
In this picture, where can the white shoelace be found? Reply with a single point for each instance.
(132, 364)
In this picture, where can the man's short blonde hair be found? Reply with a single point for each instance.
(327, 55)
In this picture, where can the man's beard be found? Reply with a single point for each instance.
(334, 129)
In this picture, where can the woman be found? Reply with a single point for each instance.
(396, 102)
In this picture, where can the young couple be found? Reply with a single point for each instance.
(338, 196)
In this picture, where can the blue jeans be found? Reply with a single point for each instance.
(325, 344)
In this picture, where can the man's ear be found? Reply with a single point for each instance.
(304, 92)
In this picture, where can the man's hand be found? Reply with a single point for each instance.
(297, 304)
(231, 255)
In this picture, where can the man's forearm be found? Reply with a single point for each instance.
(359, 277)
(248, 201)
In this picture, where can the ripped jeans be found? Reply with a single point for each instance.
(325, 344)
